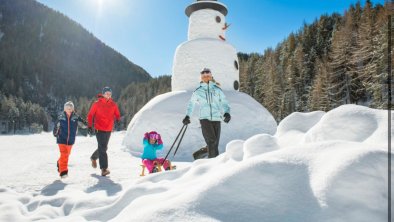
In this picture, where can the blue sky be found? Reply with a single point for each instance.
(147, 32)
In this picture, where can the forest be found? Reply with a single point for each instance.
(335, 60)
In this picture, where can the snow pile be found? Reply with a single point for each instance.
(165, 112)
(317, 167)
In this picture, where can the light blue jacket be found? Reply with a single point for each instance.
(150, 150)
(212, 101)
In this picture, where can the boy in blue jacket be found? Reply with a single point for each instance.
(65, 131)
(152, 142)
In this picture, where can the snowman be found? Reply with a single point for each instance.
(206, 47)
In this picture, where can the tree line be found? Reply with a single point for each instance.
(19, 115)
(335, 60)
(131, 99)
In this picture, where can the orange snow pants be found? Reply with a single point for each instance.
(65, 151)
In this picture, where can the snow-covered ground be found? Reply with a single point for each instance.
(317, 167)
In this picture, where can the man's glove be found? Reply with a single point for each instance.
(84, 122)
(227, 117)
(186, 120)
(117, 124)
(90, 131)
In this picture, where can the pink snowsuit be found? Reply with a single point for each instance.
(150, 164)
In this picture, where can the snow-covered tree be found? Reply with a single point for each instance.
(319, 98)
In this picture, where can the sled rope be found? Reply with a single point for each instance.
(182, 131)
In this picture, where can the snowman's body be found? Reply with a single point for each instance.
(205, 47)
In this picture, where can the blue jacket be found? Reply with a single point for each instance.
(150, 150)
(66, 128)
(212, 101)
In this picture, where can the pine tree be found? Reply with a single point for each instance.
(339, 64)
(272, 90)
(364, 56)
(378, 86)
(319, 97)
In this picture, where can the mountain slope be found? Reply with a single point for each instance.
(45, 56)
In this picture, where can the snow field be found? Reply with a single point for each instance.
(317, 167)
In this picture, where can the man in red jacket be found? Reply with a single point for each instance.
(103, 113)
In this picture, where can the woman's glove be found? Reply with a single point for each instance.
(227, 117)
(186, 120)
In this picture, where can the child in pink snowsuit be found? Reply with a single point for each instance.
(152, 142)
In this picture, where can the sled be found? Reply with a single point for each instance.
(201, 153)
(158, 166)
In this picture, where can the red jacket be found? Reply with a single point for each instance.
(104, 112)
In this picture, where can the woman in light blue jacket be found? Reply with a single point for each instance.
(213, 108)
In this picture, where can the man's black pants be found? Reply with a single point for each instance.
(101, 153)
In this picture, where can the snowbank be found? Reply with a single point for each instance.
(332, 167)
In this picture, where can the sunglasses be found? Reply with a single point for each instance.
(154, 136)
(205, 72)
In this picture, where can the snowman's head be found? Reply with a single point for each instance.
(206, 20)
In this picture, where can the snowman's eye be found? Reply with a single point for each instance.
(218, 19)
